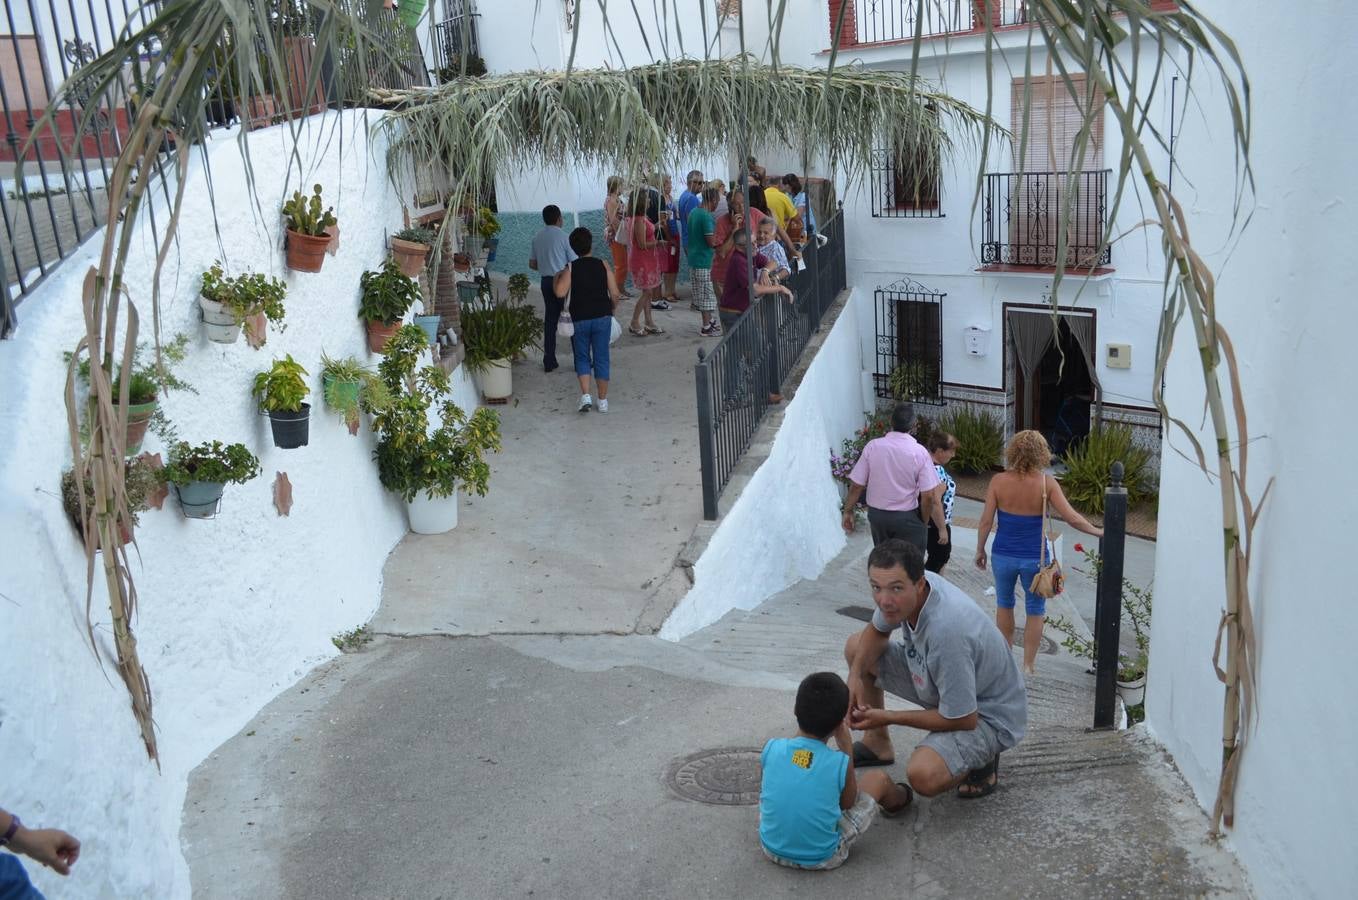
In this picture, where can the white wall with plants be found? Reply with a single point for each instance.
(231, 609)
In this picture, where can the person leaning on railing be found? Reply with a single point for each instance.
(735, 300)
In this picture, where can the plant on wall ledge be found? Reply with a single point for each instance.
(281, 391)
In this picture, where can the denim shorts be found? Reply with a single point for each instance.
(1009, 569)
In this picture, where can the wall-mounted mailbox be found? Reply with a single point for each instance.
(977, 339)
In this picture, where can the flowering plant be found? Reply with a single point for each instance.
(842, 463)
(1136, 609)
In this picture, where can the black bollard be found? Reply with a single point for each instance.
(1108, 614)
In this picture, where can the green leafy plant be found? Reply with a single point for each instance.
(476, 67)
(493, 329)
(349, 641)
(417, 234)
(387, 294)
(282, 387)
(914, 380)
(842, 463)
(518, 287)
(246, 295)
(141, 479)
(487, 224)
(413, 457)
(308, 215)
(1136, 611)
(211, 461)
(372, 393)
(980, 439)
(148, 379)
(1089, 467)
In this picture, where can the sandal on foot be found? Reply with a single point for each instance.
(654, 329)
(909, 801)
(639, 332)
(863, 757)
(981, 782)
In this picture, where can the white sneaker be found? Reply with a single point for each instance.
(586, 404)
(603, 406)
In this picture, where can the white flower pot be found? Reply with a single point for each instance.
(497, 381)
(1133, 693)
(218, 322)
(432, 515)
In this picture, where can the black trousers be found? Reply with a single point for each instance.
(552, 305)
(936, 555)
(886, 524)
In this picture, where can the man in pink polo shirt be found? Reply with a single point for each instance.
(900, 478)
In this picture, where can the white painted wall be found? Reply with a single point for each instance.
(1285, 294)
(232, 610)
(748, 559)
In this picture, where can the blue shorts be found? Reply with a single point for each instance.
(1009, 569)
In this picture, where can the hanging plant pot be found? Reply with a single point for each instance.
(379, 334)
(432, 515)
(306, 252)
(467, 291)
(410, 256)
(430, 324)
(291, 429)
(1133, 693)
(138, 418)
(497, 381)
(462, 262)
(200, 499)
(219, 324)
(340, 393)
(410, 12)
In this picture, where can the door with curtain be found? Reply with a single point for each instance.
(1054, 381)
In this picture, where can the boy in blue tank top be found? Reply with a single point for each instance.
(812, 806)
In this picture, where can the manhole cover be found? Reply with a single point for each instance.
(861, 613)
(721, 777)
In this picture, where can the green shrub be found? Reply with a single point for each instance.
(223, 464)
(282, 387)
(493, 329)
(387, 294)
(980, 439)
(1088, 467)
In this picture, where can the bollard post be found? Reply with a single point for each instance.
(706, 444)
(1108, 612)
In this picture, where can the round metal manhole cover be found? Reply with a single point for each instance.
(1047, 647)
(720, 777)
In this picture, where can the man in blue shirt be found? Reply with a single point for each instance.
(551, 254)
(690, 198)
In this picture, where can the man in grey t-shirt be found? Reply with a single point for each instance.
(951, 660)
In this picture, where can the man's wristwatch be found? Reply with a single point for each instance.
(14, 826)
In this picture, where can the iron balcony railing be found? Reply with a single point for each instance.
(52, 193)
(454, 34)
(755, 357)
(883, 21)
(1021, 213)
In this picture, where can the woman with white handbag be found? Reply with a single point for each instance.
(594, 295)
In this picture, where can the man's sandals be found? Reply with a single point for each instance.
(909, 801)
(980, 782)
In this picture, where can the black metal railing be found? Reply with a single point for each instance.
(456, 35)
(755, 356)
(60, 199)
(898, 192)
(909, 319)
(880, 21)
(1021, 213)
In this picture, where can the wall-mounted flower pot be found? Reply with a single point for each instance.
(379, 334)
(219, 324)
(432, 515)
(291, 429)
(492, 244)
(341, 393)
(497, 381)
(430, 324)
(306, 252)
(410, 256)
(1133, 693)
(199, 499)
(138, 418)
(467, 291)
(462, 262)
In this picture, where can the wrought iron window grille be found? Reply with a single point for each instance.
(909, 319)
(901, 193)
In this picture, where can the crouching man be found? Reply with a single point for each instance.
(951, 660)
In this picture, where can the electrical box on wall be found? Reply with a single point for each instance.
(1119, 356)
(977, 338)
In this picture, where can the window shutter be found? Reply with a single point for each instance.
(1054, 120)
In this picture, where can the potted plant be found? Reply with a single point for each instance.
(308, 221)
(148, 381)
(430, 325)
(476, 67)
(281, 391)
(482, 226)
(1131, 679)
(387, 294)
(518, 287)
(410, 247)
(141, 479)
(427, 447)
(494, 332)
(200, 474)
(252, 300)
(347, 385)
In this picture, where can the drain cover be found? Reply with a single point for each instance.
(861, 613)
(727, 777)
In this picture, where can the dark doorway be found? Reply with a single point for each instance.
(1058, 398)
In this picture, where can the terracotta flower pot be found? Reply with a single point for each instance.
(410, 256)
(306, 252)
(379, 334)
(138, 418)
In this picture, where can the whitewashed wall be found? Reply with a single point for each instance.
(746, 562)
(1285, 293)
(232, 610)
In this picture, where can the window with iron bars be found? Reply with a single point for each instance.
(904, 185)
(909, 342)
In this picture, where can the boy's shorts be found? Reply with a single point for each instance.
(852, 823)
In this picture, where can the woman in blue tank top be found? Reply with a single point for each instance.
(1016, 495)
